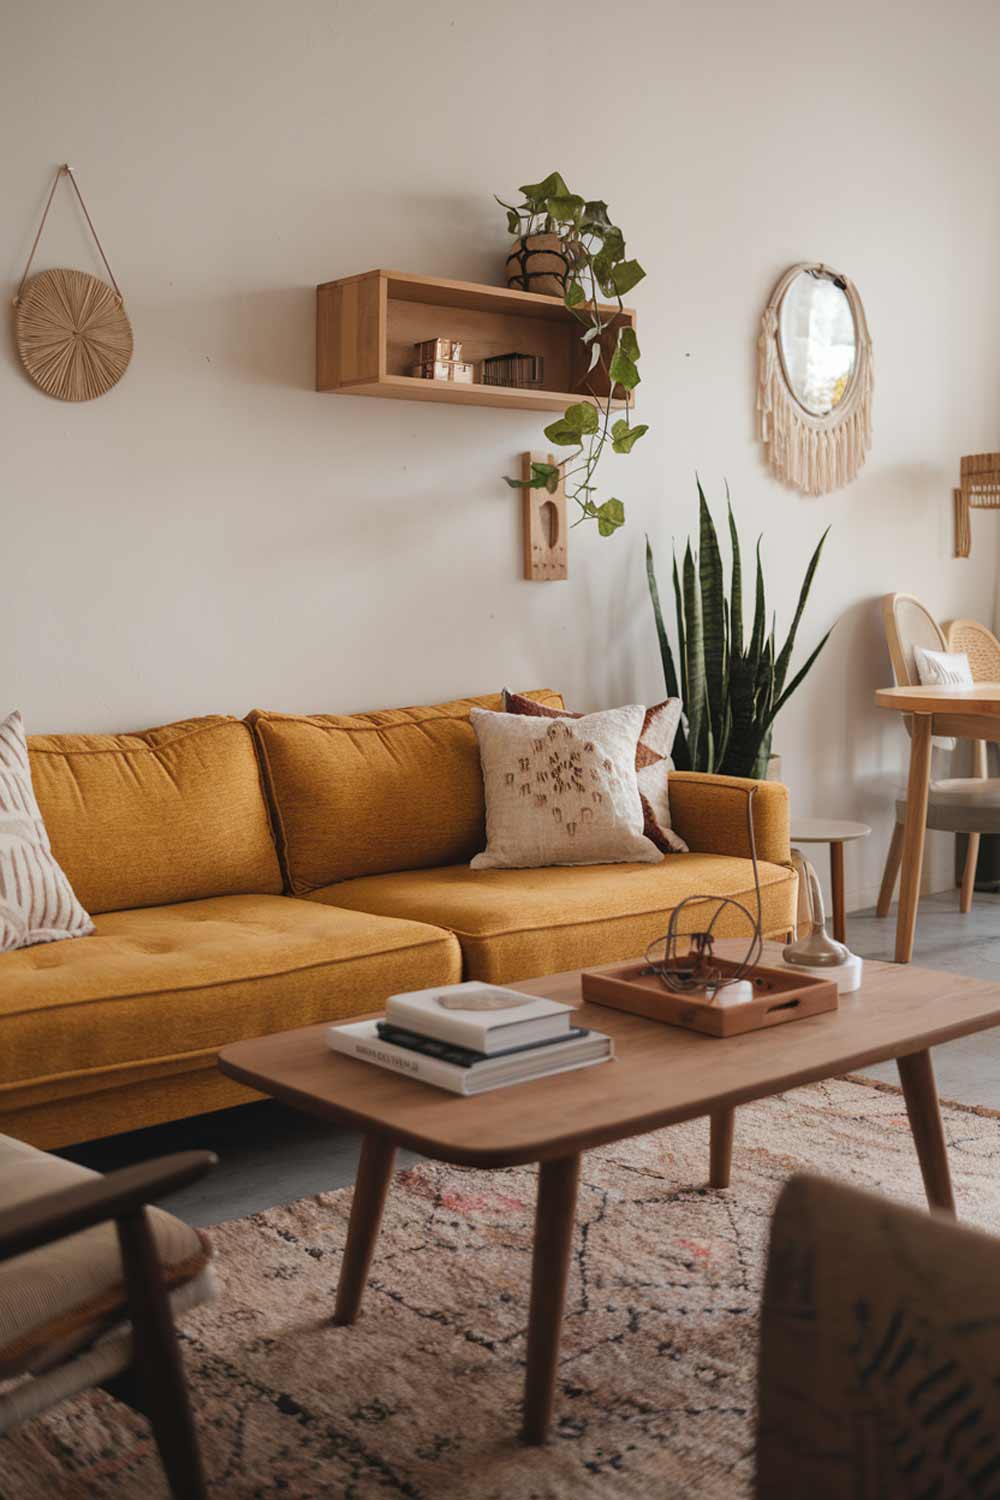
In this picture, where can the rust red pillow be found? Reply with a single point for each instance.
(652, 761)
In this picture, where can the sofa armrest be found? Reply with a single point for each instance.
(710, 814)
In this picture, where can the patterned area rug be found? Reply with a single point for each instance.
(421, 1397)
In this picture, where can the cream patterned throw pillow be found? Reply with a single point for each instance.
(561, 791)
(37, 904)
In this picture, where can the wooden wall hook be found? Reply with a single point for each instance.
(544, 521)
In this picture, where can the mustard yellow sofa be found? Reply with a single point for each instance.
(247, 876)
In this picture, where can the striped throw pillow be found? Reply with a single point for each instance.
(37, 904)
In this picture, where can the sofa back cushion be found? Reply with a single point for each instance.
(170, 814)
(366, 794)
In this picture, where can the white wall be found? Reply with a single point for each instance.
(214, 535)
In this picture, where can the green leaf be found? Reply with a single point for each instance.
(610, 516)
(513, 221)
(624, 437)
(614, 243)
(603, 265)
(681, 631)
(627, 340)
(565, 209)
(698, 738)
(538, 193)
(713, 616)
(626, 275)
(577, 421)
(736, 587)
(666, 655)
(574, 294)
(785, 657)
(623, 371)
(595, 213)
(543, 477)
(800, 674)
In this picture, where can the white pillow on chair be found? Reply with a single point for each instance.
(942, 669)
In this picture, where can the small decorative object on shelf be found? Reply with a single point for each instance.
(522, 371)
(429, 350)
(445, 369)
(979, 490)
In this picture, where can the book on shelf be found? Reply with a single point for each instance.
(485, 1018)
(481, 1073)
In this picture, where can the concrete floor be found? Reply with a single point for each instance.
(270, 1155)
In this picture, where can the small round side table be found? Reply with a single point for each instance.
(836, 834)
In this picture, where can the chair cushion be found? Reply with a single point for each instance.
(516, 924)
(181, 981)
(365, 794)
(171, 814)
(58, 1298)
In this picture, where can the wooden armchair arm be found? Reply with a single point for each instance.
(119, 1195)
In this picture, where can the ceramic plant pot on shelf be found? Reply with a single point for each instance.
(536, 263)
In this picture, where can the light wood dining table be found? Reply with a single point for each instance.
(969, 713)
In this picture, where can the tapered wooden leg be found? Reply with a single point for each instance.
(916, 1074)
(720, 1151)
(889, 874)
(375, 1166)
(969, 873)
(913, 835)
(157, 1369)
(555, 1214)
(837, 889)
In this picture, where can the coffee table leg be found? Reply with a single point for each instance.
(916, 1074)
(555, 1216)
(720, 1151)
(370, 1188)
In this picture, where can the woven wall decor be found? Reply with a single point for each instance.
(71, 329)
(812, 448)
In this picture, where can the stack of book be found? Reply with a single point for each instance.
(472, 1037)
(520, 370)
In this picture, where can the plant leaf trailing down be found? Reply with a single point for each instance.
(732, 691)
(594, 250)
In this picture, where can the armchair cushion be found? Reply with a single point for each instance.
(58, 1299)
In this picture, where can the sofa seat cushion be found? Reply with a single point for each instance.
(181, 981)
(58, 1298)
(517, 924)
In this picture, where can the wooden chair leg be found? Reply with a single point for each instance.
(914, 834)
(969, 874)
(157, 1370)
(891, 872)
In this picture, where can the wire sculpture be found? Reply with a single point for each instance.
(698, 969)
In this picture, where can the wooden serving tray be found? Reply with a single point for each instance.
(779, 995)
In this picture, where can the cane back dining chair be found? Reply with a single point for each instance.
(960, 804)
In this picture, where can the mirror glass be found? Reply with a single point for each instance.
(818, 342)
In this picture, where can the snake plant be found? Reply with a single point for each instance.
(733, 688)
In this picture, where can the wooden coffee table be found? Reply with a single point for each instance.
(661, 1076)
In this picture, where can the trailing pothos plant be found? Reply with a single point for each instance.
(732, 688)
(596, 266)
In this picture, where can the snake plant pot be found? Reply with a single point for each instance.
(536, 263)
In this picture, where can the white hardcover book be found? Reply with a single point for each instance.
(360, 1039)
(483, 1017)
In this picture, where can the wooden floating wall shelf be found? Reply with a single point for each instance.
(366, 327)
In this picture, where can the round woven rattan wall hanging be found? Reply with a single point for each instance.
(71, 329)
